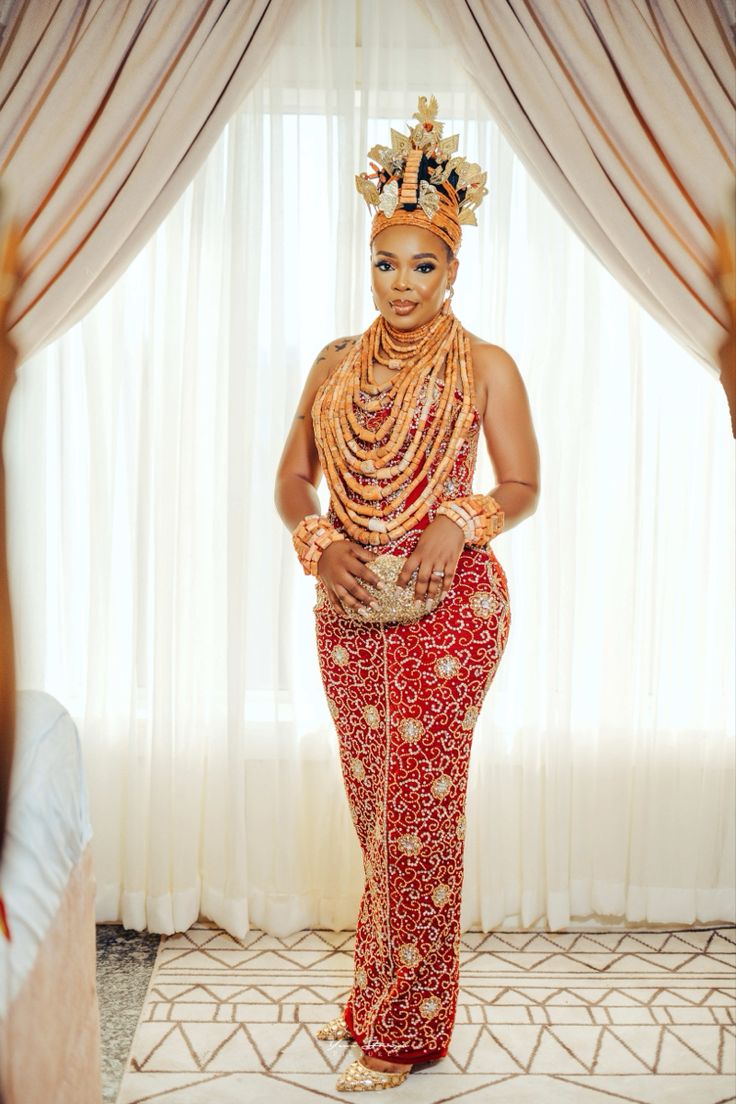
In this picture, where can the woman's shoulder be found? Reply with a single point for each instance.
(324, 364)
(333, 354)
(492, 367)
(487, 353)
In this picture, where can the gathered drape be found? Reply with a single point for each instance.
(107, 111)
(156, 591)
(624, 113)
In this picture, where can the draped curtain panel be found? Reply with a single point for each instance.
(107, 111)
(156, 592)
(623, 112)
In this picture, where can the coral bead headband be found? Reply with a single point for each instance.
(420, 180)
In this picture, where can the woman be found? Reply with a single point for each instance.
(412, 611)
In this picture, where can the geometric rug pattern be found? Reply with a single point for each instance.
(564, 1017)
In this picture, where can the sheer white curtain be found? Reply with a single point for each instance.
(157, 595)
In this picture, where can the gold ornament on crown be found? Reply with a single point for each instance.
(420, 179)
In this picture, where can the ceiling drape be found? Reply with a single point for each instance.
(624, 113)
(107, 111)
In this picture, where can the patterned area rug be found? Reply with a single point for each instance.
(571, 1016)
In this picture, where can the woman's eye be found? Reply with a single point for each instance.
(425, 267)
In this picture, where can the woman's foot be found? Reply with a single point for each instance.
(367, 1073)
(386, 1067)
(334, 1029)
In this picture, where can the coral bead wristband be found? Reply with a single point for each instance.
(479, 516)
(312, 535)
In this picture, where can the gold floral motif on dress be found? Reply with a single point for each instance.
(429, 1007)
(409, 954)
(482, 603)
(447, 666)
(356, 766)
(441, 894)
(441, 786)
(470, 718)
(332, 706)
(411, 729)
(372, 716)
(410, 844)
(361, 978)
(460, 828)
(340, 655)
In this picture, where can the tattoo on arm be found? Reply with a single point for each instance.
(338, 346)
(345, 341)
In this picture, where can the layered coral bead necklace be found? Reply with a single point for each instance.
(372, 470)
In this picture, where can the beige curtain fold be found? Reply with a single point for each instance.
(624, 112)
(107, 111)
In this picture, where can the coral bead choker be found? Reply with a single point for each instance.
(407, 336)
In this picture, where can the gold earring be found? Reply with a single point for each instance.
(451, 292)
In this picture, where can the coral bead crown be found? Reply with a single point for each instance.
(420, 179)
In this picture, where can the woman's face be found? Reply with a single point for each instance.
(410, 274)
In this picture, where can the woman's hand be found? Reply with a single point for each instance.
(438, 549)
(340, 567)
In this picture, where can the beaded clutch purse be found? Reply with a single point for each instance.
(395, 604)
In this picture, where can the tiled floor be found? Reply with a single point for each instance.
(569, 1017)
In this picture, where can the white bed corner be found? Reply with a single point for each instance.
(49, 1018)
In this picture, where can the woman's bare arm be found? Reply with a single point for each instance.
(298, 474)
(509, 433)
(343, 566)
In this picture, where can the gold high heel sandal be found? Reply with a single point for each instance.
(361, 1078)
(334, 1029)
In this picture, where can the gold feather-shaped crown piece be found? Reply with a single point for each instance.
(421, 179)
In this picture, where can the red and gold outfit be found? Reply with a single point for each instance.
(405, 699)
(405, 692)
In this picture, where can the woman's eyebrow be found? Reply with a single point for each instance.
(384, 253)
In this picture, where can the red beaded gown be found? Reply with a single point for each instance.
(405, 699)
